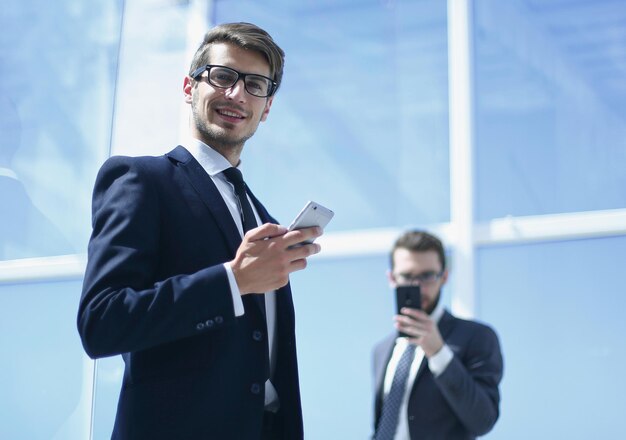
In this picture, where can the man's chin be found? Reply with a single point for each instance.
(223, 139)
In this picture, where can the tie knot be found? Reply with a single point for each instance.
(234, 176)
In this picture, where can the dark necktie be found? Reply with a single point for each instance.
(248, 220)
(391, 405)
(235, 177)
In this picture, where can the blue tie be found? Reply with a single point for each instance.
(391, 405)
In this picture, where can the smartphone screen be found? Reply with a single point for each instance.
(408, 296)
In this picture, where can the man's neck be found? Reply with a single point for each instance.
(231, 152)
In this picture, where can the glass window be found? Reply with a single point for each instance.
(45, 377)
(56, 95)
(109, 374)
(558, 308)
(360, 123)
(343, 308)
(550, 107)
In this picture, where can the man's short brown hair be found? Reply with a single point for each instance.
(420, 241)
(246, 36)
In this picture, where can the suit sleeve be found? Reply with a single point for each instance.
(124, 305)
(470, 385)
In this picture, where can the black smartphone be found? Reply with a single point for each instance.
(408, 296)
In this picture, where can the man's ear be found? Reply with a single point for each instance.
(188, 85)
(266, 110)
(444, 277)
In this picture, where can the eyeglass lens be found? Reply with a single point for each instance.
(224, 77)
(426, 277)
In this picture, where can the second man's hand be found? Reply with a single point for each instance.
(422, 329)
(266, 257)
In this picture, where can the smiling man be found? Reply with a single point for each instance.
(441, 381)
(183, 282)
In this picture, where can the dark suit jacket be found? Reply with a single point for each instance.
(156, 292)
(463, 401)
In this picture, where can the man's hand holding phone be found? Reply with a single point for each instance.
(407, 297)
(267, 256)
(414, 323)
(313, 214)
(269, 253)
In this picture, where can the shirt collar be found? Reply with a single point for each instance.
(212, 161)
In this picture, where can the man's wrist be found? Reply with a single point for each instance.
(438, 362)
(234, 290)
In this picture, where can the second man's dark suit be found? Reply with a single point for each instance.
(155, 291)
(463, 401)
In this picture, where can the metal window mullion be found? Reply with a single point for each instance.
(461, 156)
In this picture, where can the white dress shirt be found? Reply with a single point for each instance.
(437, 364)
(214, 164)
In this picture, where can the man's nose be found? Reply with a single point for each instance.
(237, 91)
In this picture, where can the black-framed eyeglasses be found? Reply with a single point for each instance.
(423, 278)
(225, 77)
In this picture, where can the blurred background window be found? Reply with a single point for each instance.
(362, 124)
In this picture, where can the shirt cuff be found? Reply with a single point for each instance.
(440, 361)
(234, 291)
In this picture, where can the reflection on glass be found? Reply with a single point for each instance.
(550, 107)
(109, 374)
(24, 230)
(45, 378)
(361, 120)
(56, 86)
(558, 308)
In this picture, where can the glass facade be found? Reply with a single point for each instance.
(45, 377)
(558, 308)
(361, 120)
(361, 125)
(550, 107)
(57, 85)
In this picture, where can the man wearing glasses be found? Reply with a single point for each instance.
(441, 381)
(187, 273)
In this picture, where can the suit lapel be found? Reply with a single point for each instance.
(212, 199)
(383, 355)
(208, 193)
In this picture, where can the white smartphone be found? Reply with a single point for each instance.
(313, 214)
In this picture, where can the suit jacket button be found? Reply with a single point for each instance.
(255, 388)
(200, 326)
(257, 335)
(209, 323)
(411, 418)
(219, 319)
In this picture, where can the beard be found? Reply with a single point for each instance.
(432, 306)
(216, 136)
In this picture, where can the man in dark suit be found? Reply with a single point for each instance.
(202, 316)
(440, 382)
